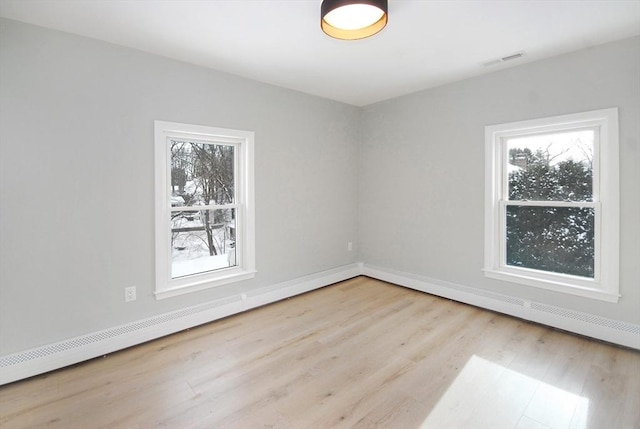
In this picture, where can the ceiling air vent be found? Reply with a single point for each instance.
(509, 57)
(513, 56)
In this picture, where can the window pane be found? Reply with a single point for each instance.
(201, 174)
(551, 167)
(556, 239)
(202, 241)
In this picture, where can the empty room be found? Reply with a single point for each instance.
(320, 214)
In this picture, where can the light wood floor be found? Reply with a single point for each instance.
(359, 354)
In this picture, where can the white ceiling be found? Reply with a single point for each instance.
(426, 43)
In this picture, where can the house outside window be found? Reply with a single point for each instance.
(204, 207)
(552, 203)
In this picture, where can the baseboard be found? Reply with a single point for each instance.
(610, 330)
(266, 295)
(39, 360)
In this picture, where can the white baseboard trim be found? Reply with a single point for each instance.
(39, 360)
(610, 330)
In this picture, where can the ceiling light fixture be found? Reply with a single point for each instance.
(353, 19)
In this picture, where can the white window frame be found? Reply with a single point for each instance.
(605, 284)
(244, 205)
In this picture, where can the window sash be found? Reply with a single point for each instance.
(605, 191)
(239, 222)
(165, 132)
(595, 166)
(579, 204)
(201, 208)
(217, 141)
(504, 202)
(237, 205)
(548, 275)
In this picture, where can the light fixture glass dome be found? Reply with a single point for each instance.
(354, 16)
(354, 19)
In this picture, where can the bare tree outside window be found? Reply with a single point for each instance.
(203, 182)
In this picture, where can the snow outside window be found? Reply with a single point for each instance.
(551, 215)
(204, 207)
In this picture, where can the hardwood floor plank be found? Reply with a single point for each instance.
(358, 354)
(527, 423)
(611, 391)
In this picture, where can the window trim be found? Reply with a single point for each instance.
(165, 286)
(606, 197)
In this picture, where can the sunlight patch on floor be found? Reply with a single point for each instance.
(488, 395)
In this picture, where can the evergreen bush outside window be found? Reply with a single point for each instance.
(552, 203)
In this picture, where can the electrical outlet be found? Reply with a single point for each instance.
(349, 246)
(129, 294)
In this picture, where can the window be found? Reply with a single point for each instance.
(551, 209)
(204, 207)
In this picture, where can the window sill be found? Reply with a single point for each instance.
(197, 283)
(556, 286)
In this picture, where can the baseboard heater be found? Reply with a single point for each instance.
(36, 361)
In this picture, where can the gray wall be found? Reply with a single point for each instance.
(402, 179)
(76, 154)
(422, 168)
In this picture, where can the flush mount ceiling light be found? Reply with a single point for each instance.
(353, 19)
